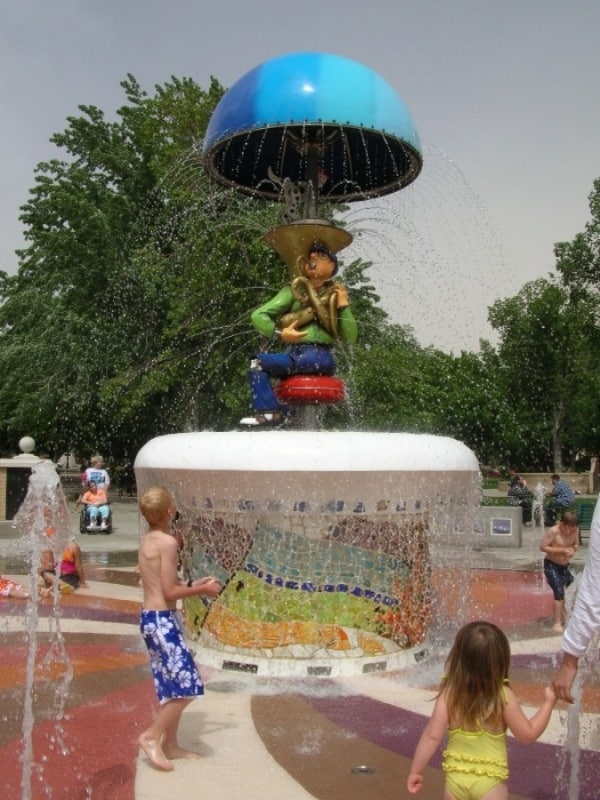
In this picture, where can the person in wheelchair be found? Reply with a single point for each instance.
(96, 511)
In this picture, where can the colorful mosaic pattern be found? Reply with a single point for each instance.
(360, 587)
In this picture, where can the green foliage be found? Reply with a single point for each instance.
(549, 352)
(578, 262)
(80, 311)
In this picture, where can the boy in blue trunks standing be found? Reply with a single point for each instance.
(560, 543)
(176, 678)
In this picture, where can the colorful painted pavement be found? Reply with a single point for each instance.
(345, 738)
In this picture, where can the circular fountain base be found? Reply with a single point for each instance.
(325, 667)
(320, 538)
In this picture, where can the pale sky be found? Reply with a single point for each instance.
(504, 94)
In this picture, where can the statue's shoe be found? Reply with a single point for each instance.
(268, 419)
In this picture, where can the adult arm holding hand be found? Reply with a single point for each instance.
(584, 621)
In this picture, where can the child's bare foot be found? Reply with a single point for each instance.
(180, 752)
(155, 754)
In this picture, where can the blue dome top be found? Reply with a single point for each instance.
(344, 115)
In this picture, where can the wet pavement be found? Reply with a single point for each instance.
(85, 695)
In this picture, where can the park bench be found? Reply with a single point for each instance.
(584, 506)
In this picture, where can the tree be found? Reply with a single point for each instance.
(578, 262)
(548, 346)
(77, 303)
(129, 315)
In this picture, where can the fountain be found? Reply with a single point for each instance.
(42, 510)
(320, 537)
(327, 542)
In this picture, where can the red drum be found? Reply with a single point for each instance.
(302, 389)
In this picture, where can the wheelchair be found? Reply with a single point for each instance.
(87, 526)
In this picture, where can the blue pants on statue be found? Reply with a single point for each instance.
(299, 359)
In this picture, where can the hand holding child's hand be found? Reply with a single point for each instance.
(549, 695)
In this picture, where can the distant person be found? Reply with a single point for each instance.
(96, 504)
(584, 621)
(560, 543)
(519, 494)
(68, 573)
(176, 678)
(71, 566)
(98, 474)
(513, 478)
(560, 497)
(474, 707)
(49, 570)
(9, 588)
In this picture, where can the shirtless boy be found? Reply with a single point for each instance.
(560, 543)
(176, 678)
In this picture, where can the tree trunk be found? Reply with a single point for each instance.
(556, 437)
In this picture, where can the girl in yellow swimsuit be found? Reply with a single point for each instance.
(475, 706)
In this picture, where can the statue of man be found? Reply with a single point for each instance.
(310, 314)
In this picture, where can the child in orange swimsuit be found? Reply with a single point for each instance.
(67, 573)
(9, 588)
(475, 706)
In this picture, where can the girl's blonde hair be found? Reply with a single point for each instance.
(476, 671)
(155, 503)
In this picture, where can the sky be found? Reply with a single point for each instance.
(504, 94)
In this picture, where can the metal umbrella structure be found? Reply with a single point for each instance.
(323, 122)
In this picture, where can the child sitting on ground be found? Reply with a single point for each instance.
(69, 575)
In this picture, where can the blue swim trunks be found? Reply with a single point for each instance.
(559, 577)
(173, 668)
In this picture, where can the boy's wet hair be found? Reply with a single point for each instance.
(154, 504)
(569, 518)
